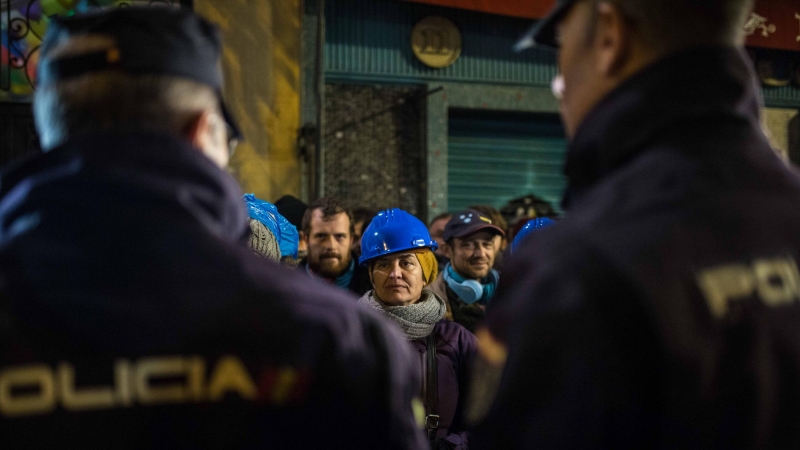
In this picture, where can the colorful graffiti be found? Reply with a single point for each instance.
(22, 26)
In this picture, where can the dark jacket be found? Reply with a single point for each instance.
(455, 348)
(360, 284)
(133, 316)
(662, 312)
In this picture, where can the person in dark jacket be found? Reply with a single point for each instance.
(662, 312)
(132, 313)
(399, 253)
(328, 228)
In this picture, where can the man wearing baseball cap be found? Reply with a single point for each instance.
(468, 281)
(663, 311)
(132, 314)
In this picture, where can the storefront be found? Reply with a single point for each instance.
(486, 130)
(423, 104)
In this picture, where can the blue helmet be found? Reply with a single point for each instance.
(391, 231)
(532, 225)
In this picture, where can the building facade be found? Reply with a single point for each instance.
(419, 104)
(488, 125)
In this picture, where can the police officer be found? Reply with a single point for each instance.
(132, 315)
(663, 311)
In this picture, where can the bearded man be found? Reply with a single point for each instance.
(328, 231)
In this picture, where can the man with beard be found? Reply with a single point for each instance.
(328, 229)
(468, 281)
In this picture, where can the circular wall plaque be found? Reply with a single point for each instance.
(436, 42)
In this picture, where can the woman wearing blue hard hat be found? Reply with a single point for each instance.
(398, 251)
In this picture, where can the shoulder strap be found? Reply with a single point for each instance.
(432, 390)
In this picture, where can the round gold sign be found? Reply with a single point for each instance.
(436, 42)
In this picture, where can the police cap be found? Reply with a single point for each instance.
(543, 32)
(148, 41)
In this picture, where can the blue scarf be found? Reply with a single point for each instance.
(343, 280)
(471, 291)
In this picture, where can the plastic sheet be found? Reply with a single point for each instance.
(266, 213)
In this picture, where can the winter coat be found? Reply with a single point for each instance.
(132, 315)
(663, 311)
(455, 348)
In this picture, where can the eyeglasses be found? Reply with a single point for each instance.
(557, 86)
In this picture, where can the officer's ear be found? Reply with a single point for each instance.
(207, 133)
(613, 39)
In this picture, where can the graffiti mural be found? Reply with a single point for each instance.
(22, 26)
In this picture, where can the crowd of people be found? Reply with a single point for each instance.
(388, 259)
(146, 303)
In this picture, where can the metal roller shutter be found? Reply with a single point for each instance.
(496, 157)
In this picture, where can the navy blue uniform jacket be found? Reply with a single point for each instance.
(663, 311)
(132, 316)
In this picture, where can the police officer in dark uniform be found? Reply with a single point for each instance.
(132, 315)
(663, 311)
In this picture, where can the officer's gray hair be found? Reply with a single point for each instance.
(671, 25)
(114, 101)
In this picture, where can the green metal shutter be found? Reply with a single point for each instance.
(493, 158)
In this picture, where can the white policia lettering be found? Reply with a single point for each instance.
(39, 389)
(776, 282)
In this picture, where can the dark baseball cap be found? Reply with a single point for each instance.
(468, 222)
(148, 41)
(543, 32)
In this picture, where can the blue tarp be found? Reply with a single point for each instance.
(266, 213)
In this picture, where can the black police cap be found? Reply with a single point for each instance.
(152, 41)
(543, 32)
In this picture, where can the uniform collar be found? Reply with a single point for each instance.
(127, 170)
(692, 85)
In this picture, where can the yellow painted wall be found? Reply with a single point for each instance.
(261, 63)
(775, 122)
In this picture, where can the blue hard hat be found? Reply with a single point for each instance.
(532, 225)
(391, 231)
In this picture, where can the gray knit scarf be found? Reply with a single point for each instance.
(415, 320)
